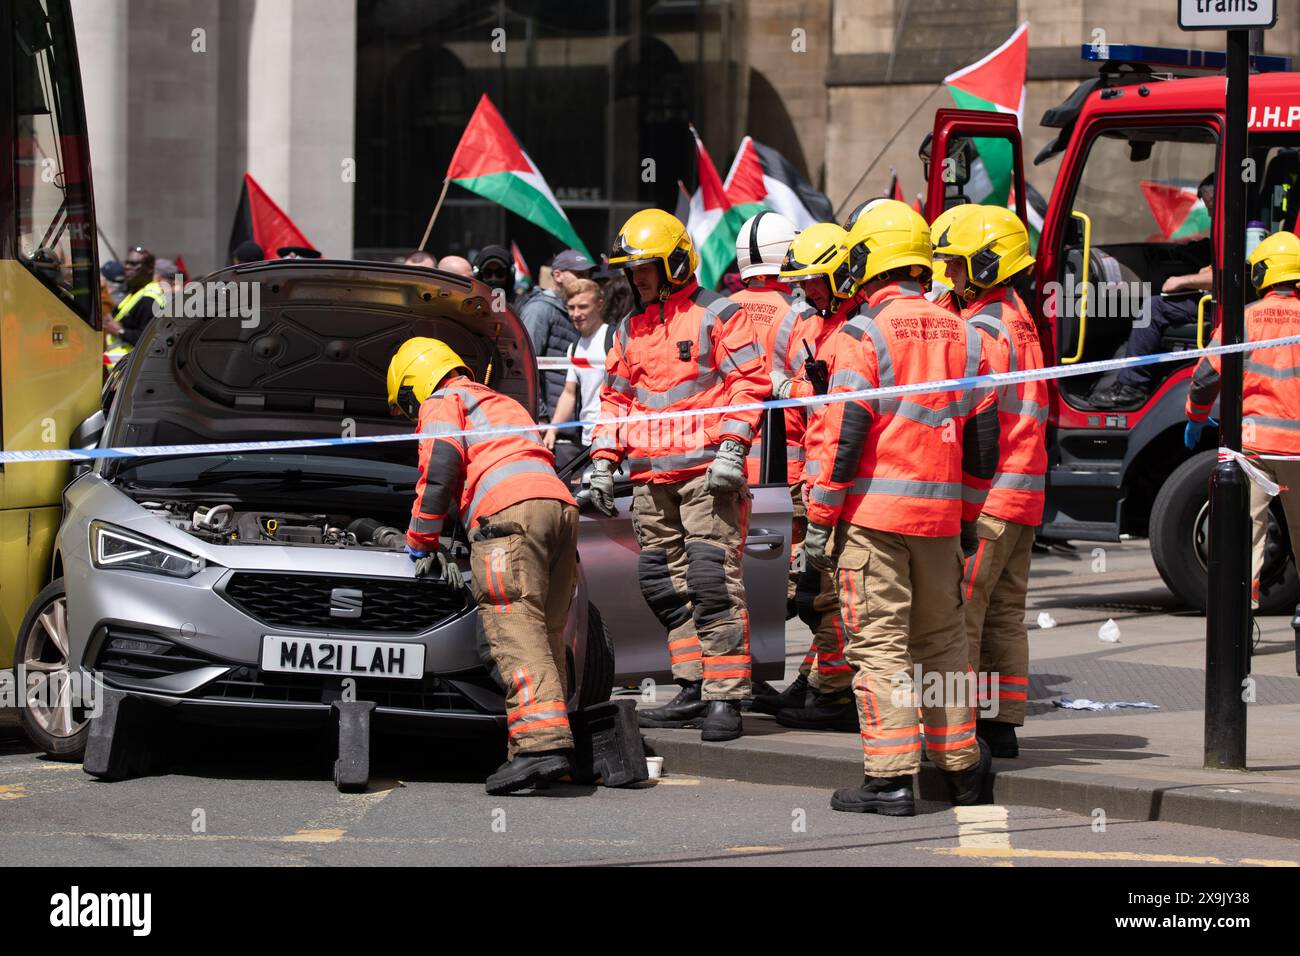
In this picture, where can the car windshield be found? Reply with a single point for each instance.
(268, 468)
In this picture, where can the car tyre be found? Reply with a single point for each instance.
(1177, 532)
(598, 667)
(42, 647)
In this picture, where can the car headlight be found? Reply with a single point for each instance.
(112, 547)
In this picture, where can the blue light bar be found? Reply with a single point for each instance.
(1174, 57)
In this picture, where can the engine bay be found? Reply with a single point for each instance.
(226, 523)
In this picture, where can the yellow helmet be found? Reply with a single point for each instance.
(941, 222)
(889, 235)
(653, 235)
(991, 239)
(821, 250)
(416, 370)
(1275, 260)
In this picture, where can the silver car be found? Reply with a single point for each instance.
(263, 584)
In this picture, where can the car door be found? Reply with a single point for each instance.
(608, 550)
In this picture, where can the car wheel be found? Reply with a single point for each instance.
(1180, 524)
(598, 667)
(51, 721)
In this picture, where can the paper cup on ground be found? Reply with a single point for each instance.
(656, 766)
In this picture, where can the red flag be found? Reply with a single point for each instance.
(258, 218)
(180, 265)
(895, 188)
(521, 267)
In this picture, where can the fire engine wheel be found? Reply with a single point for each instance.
(1180, 541)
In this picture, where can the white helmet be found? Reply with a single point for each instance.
(761, 244)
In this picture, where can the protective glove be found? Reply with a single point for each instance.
(440, 565)
(1192, 433)
(727, 473)
(602, 486)
(970, 538)
(415, 554)
(780, 384)
(815, 542)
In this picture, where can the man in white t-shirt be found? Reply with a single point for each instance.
(580, 399)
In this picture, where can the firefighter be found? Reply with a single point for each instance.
(984, 249)
(1270, 390)
(786, 328)
(899, 483)
(941, 293)
(523, 534)
(684, 347)
(818, 261)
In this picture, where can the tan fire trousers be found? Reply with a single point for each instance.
(690, 575)
(902, 609)
(1287, 474)
(994, 586)
(524, 562)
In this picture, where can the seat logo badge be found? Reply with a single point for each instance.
(345, 602)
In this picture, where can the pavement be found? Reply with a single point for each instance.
(1140, 765)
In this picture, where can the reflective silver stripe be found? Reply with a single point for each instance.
(678, 393)
(426, 525)
(549, 713)
(742, 356)
(638, 464)
(934, 417)
(602, 441)
(973, 496)
(794, 453)
(906, 488)
(967, 400)
(730, 426)
(869, 743)
(478, 418)
(500, 474)
(850, 378)
(1268, 371)
(667, 463)
(1010, 481)
(1013, 405)
(444, 430)
(619, 384)
(831, 497)
(1286, 424)
(968, 734)
(781, 347)
(812, 469)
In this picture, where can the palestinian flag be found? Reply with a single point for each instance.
(1178, 213)
(258, 218)
(760, 175)
(488, 161)
(995, 83)
(523, 277)
(714, 219)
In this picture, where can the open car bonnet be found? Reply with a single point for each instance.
(311, 359)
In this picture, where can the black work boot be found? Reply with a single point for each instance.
(1000, 737)
(796, 695)
(837, 711)
(1118, 396)
(528, 770)
(684, 710)
(888, 796)
(966, 787)
(722, 721)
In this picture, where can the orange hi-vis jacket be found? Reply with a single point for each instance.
(1270, 385)
(919, 464)
(489, 472)
(696, 349)
(1019, 485)
(787, 329)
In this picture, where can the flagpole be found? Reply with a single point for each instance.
(884, 149)
(429, 228)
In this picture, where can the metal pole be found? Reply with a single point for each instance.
(1227, 620)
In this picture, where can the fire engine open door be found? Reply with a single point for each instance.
(973, 156)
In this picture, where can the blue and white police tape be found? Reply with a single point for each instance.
(994, 380)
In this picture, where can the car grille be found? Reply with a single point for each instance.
(303, 601)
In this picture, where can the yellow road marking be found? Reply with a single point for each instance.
(1248, 861)
(12, 791)
(983, 828)
(678, 781)
(328, 835)
(1118, 856)
(755, 849)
